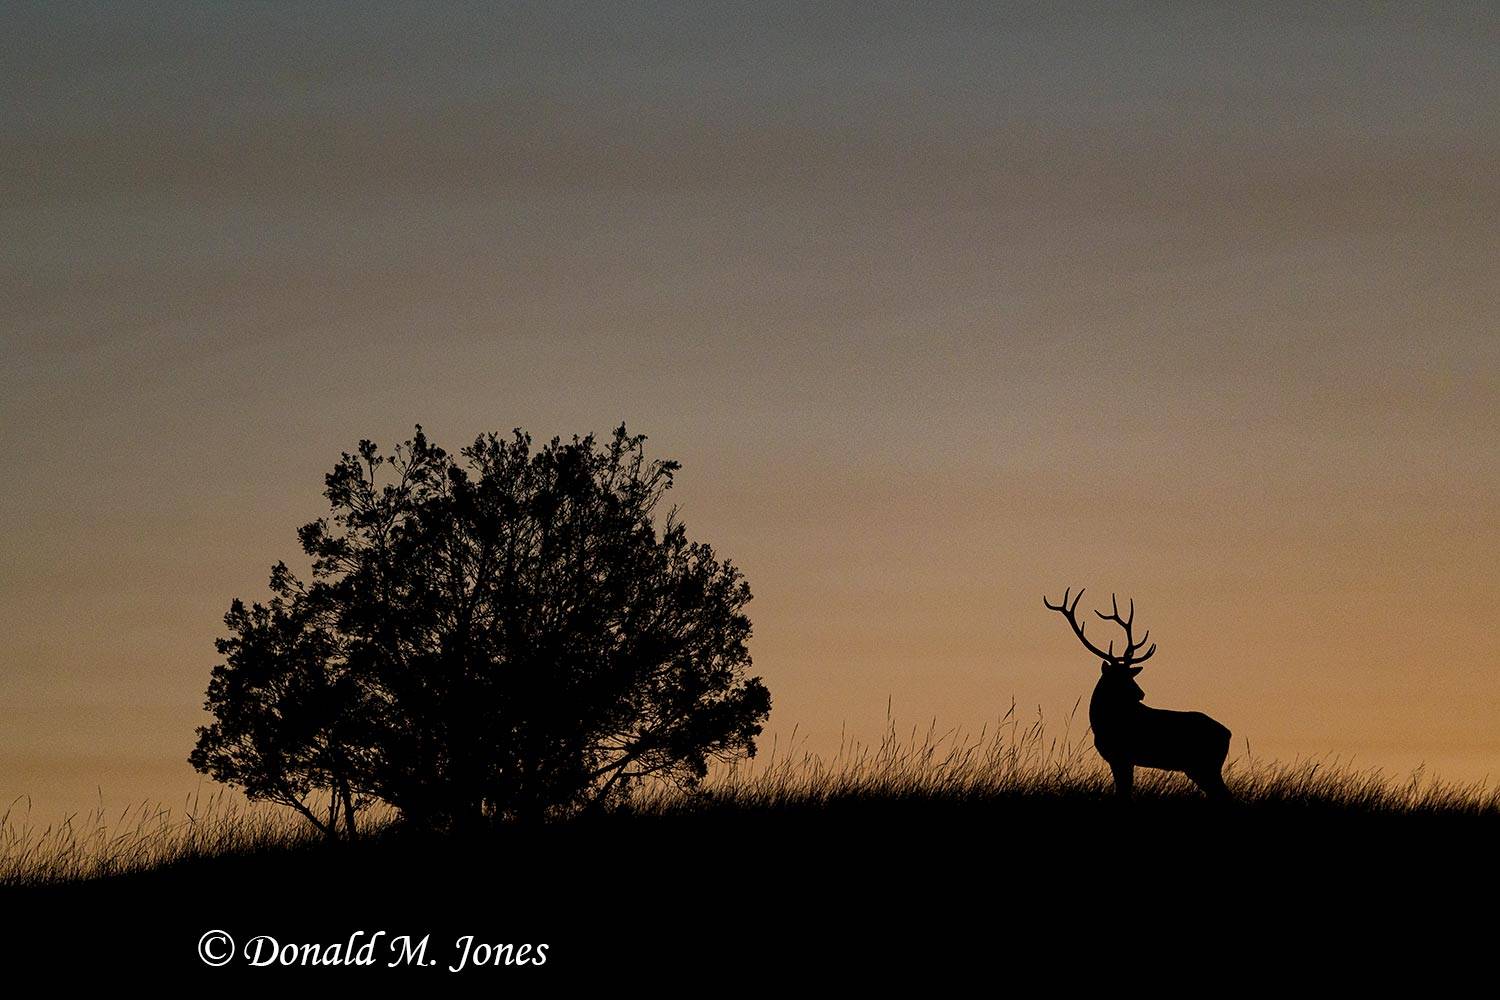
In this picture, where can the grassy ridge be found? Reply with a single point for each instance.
(1007, 775)
(1004, 857)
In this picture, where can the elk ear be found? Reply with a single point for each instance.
(1134, 671)
(1104, 667)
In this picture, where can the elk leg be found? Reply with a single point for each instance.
(1124, 778)
(1212, 783)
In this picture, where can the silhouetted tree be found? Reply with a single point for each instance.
(289, 716)
(520, 633)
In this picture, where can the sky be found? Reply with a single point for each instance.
(942, 307)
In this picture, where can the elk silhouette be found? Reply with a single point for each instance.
(1127, 733)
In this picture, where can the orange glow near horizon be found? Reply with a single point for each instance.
(939, 314)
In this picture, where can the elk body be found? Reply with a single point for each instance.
(1127, 733)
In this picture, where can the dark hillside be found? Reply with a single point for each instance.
(857, 887)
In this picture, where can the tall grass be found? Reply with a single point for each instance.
(1013, 759)
(139, 838)
(1007, 764)
(1017, 760)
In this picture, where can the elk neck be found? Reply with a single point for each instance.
(1115, 700)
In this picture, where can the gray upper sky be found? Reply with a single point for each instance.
(941, 306)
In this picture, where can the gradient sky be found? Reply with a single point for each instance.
(941, 308)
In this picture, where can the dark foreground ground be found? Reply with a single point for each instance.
(1174, 895)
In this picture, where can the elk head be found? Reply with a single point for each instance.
(1117, 673)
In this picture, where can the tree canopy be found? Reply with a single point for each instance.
(505, 634)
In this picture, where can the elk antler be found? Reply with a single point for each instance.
(1130, 644)
(1068, 611)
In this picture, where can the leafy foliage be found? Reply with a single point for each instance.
(499, 636)
(287, 709)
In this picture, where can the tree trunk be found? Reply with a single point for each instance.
(352, 831)
(333, 816)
